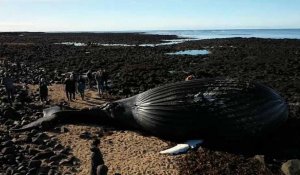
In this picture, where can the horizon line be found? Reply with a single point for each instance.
(137, 30)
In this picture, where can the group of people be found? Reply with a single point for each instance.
(72, 83)
(101, 78)
(75, 84)
(8, 82)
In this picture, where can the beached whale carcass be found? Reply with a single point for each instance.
(223, 108)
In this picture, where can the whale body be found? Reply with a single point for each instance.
(221, 108)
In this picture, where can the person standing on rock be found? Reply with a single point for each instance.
(105, 79)
(90, 78)
(70, 88)
(100, 82)
(81, 86)
(97, 158)
(8, 83)
(43, 86)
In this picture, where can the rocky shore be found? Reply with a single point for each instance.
(134, 68)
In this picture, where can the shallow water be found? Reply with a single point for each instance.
(72, 44)
(191, 52)
(244, 33)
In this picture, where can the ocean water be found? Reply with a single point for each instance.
(190, 52)
(244, 33)
(190, 35)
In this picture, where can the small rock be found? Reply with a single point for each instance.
(33, 151)
(32, 171)
(85, 135)
(43, 155)
(7, 150)
(7, 144)
(57, 157)
(35, 164)
(260, 158)
(9, 171)
(64, 129)
(39, 139)
(11, 113)
(58, 146)
(21, 168)
(66, 162)
(44, 169)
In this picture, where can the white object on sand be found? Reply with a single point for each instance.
(182, 148)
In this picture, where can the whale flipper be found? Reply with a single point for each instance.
(182, 148)
(49, 111)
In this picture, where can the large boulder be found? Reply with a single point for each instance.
(291, 167)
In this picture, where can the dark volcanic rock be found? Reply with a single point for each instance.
(35, 164)
(39, 139)
(8, 150)
(43, 155)
(10, 113)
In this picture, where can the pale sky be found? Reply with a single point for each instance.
(123, 15)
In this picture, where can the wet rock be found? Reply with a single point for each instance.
(291, 167)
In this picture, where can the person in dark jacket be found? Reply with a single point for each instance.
(105, 79)
(100, 82)
(70, 88)
(90, 78)
(43, 86)
(8, 83)
(97, 158)
(81, 86)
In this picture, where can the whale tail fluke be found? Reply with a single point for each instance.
(49, 115)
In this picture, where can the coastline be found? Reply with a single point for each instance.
(272, 61)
